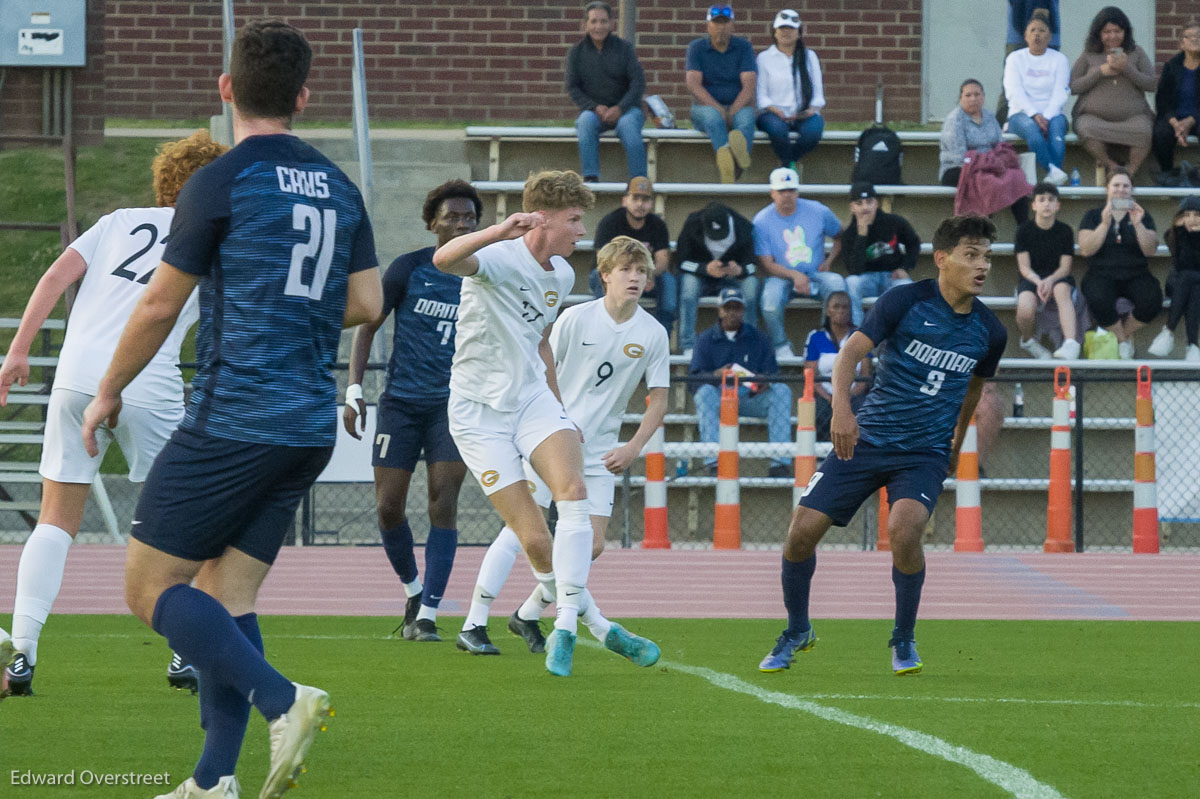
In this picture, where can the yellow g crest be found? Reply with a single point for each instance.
(532, 486)
(635, 350)
(551, 298)
(489, 478)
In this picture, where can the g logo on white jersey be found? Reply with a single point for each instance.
(489, 478)
(634, 350)
(551, 299)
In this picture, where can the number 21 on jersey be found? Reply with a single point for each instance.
(321, 227)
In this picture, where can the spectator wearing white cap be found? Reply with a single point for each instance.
(790, 91)
(720, 74)
(789, 247)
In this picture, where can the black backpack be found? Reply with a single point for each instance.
(878, 157)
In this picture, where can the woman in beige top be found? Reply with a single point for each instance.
(1111, 78)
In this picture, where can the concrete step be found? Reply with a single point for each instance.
(21, 505)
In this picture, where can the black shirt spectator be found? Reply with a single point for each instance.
(890, 244)
(610, 75)
(1046, 247)
(1120, 256)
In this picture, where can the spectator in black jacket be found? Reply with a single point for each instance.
(879, 250)
(605, 80)
(1177, 101)
(715, 250)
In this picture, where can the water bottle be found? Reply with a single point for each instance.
(1075, 180)
(681, 468)
(1018, 401)
(658, 107)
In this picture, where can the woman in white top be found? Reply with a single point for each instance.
(1036, 80)
(790, 92)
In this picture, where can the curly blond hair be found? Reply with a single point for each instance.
(177, 160)
(624, 250)
(553, 190)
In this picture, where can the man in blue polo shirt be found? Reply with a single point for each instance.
(721, 75)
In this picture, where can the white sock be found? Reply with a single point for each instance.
(413, 588)
(427, 612)
(538, 600)
(572, 561)
(39, 576)
(493, 571)
(592, 617)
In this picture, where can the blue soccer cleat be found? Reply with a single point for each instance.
(637, 650)
(786, 648)
(905, 659)
(560, 651)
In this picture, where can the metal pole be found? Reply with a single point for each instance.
(362, 129)
(627, 10)
(228, 24)
(1079, 466)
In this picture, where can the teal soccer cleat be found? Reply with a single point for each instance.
(785, 650)
(905, 659)
(637, 650)
(560, 651)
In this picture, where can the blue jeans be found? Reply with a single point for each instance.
(808, 131)
(629, 130)
(665, 294)
(777, 291)
(709, 120)
(1049, 149)
(870, 284)
(774, 403)
(692, 286)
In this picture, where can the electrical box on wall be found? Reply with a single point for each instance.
(43, 33)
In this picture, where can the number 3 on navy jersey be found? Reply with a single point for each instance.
(933, 383)
(321, 227)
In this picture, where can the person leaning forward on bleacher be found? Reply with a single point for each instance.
(715, 250)
(722, 77)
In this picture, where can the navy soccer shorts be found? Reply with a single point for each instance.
(406, 428)
(839, 487)
(204, 494)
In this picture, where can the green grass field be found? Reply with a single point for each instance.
(1076, 709)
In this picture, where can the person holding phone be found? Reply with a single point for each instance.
(1111, 77)
(1117, 240)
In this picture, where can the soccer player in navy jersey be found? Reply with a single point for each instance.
(278, 241)
(412, 410)
(937, 344)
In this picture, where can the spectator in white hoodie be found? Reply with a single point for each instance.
(790, 93)
(1036, 82)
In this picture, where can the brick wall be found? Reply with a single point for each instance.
(1170, 16)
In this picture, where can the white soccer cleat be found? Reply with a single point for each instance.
(226, 788)
(1163, 343)
(291, 736)
(1035, 348)
(1069, 350)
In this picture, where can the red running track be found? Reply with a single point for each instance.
(705, 584)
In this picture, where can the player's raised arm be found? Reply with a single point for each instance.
(457, 256)
(843, 429)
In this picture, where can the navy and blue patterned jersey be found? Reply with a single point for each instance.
(927, 356)
(272, 229)
(425, 300)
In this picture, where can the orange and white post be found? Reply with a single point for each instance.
(1145, 485)
(883, 542)
(727, 515)
(1058, 505)
(655, 493)
(806, 438)
(968, 515)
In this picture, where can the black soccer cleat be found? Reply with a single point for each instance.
(18, 677)
(182, 675)
(421, 630)
(529, 631)
(411, 607)
(476, 641)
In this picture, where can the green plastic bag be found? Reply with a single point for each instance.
(1100, 345)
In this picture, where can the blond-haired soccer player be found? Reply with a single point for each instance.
(504, 400)
(602, 350)
(115, 259)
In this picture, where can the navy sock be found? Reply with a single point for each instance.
(908, 599)
(797, 583)
(440, 547)
(224, 714)
(200, 629)
(398, 544)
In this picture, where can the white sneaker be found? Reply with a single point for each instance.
(784, 351)
(1125, 350)
(226, 788)
(1069, 350)
(1163, 343)
(1035, 348)
(1192, 354)
(1056, 176)
(291, 736)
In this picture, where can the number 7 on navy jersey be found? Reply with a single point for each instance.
(321, 227)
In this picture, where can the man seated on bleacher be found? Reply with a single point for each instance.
(732, 344)
(605, 79)
(715, 250)
(879, 250)
(721, 74)
(789, 247)
(635, 220)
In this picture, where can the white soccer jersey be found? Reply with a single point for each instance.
(599, 364)
(121, 251)
(505, 306)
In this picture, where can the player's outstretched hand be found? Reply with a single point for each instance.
(356, 412)
(14, 370)
(517, 225)
(843, 432)
(618, 460)
(100, 410)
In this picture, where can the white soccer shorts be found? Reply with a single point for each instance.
(493, 443)
(140, 432)
(600, 489)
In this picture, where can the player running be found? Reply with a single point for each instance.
(937, 345)
(115, 259)
(602, 350)
(504, 398)
(412, 409)
(278, 241)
